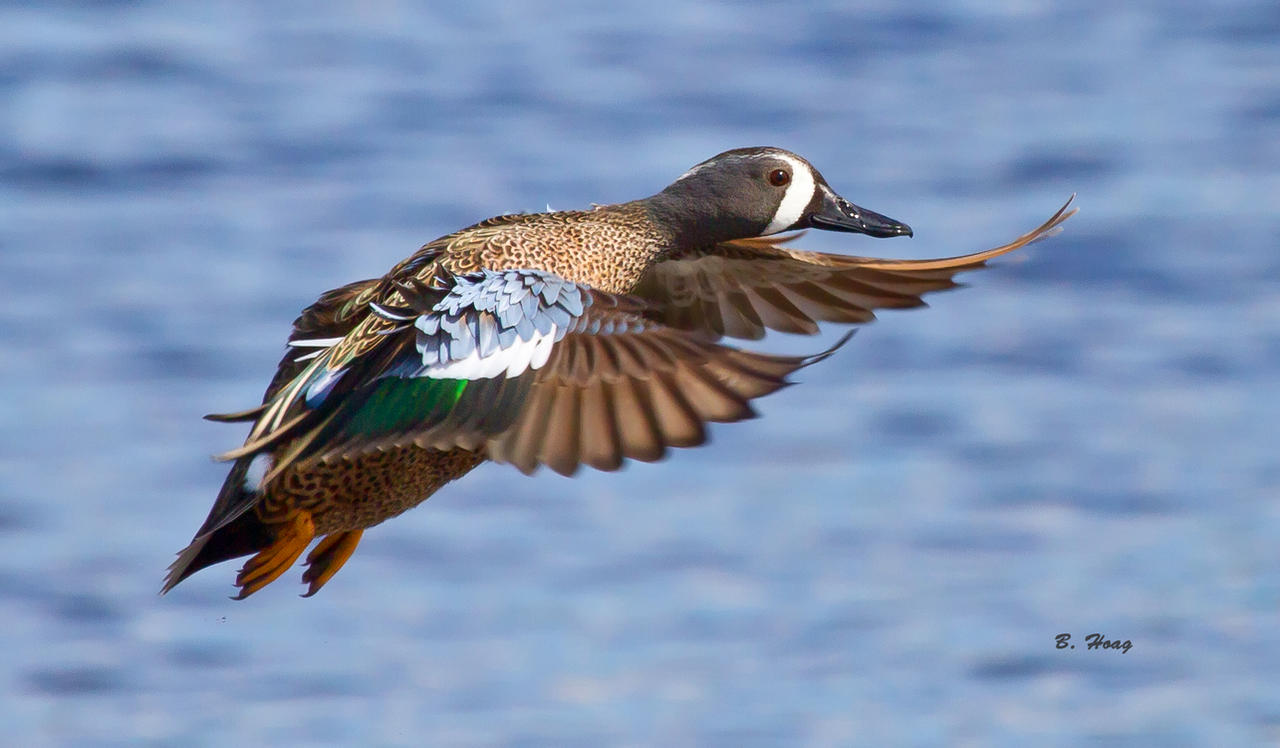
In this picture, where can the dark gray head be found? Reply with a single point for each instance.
(759, 191)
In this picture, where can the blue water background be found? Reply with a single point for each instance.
(1083, 440)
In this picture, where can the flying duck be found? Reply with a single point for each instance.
(567, 338)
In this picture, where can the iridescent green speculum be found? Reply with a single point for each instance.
(399, 403)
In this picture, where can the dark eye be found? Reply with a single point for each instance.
(779, 177)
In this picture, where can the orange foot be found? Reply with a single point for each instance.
(291, 540)
(327, 557)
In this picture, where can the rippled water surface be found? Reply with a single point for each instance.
(1083, 440)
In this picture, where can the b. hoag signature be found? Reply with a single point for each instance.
(1094, 641)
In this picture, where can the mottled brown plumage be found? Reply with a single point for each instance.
(360, 423)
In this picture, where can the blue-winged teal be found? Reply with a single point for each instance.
(558, 339)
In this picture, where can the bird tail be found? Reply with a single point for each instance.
(231, 530)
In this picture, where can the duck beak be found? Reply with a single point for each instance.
(834, 213)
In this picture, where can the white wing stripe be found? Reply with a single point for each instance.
(511, 361)
(542, 349)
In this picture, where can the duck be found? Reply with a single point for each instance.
(559, 339)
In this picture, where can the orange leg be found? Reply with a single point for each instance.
(272, 561)
(327, 557)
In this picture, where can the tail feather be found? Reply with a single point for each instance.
(232, 529)
(244, 535)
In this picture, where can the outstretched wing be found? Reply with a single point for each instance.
(741, 288)
(535, 368)
(620, 385)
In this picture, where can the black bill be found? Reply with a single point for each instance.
(837, 214)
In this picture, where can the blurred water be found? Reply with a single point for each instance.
(1082, 441)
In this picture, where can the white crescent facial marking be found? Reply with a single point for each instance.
(797, 197)
(512, 362)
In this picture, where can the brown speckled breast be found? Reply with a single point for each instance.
(359, 492)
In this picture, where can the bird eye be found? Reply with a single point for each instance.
(779, 177)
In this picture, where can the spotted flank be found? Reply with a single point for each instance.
(560, 339)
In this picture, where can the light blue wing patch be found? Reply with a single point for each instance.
(497, 322)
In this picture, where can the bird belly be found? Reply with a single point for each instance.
(353, 493)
